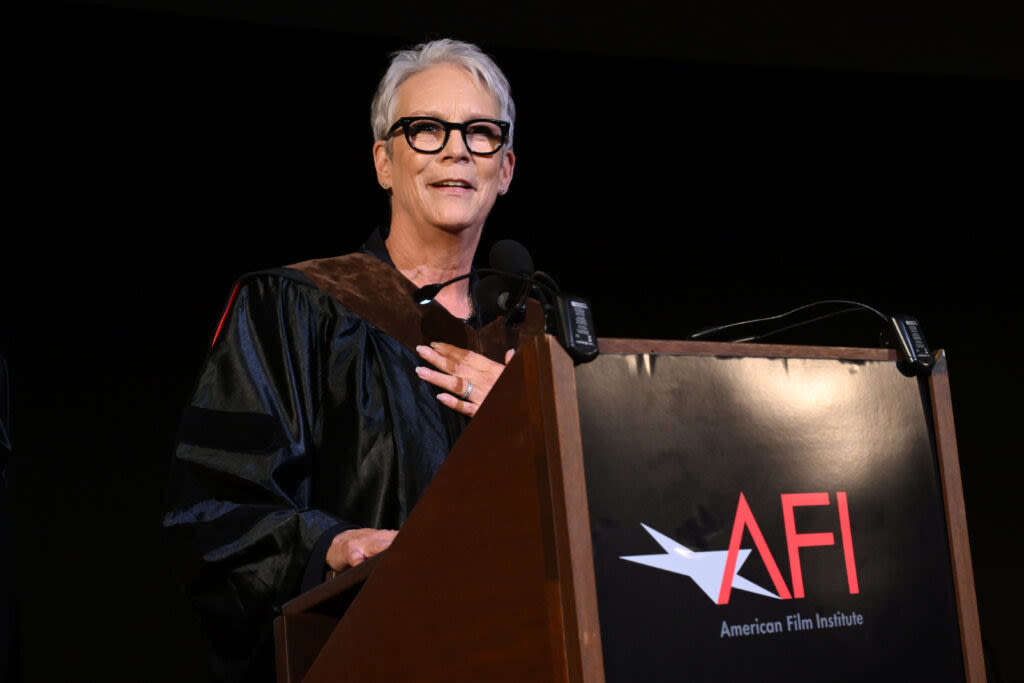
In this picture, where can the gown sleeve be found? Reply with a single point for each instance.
(240, 522)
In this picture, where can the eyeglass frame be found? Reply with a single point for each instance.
(404, 122)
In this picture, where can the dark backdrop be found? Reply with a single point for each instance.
(678, 167)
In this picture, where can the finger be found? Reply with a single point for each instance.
(508, 356)
(465, 407)
(457, 386)
(452, 359)
(368, 548)
(381, 543)
(354, 546)
(450, 350)
(354, 556)
(437, 359)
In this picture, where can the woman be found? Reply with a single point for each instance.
(316, 422)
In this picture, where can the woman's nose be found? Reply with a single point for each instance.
(456, 146)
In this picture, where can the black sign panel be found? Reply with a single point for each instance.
(815, 480)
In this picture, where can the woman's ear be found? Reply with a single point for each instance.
(508, 166)
(382, 162)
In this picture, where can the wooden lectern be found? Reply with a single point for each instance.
(493, 578)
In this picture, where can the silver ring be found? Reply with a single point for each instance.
(468, 391)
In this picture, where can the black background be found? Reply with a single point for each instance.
(679, 165)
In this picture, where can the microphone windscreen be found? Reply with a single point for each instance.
(492, 296)
(511, 256)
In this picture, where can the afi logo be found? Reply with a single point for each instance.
(716, 572)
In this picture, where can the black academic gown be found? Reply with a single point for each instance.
(307, 419)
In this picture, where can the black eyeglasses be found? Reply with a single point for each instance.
(429, 135)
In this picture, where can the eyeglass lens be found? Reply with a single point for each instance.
(424, 135)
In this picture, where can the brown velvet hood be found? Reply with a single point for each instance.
(383, 297)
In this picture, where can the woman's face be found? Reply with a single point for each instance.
(452, 190)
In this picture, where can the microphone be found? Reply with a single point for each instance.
(506, 292)
(493, 296)
(506, 288)
(566, 316)
(901, 331)
(495, 289)
(510, 262)
(511, 256)
(852, 306)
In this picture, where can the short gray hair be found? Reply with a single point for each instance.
(407, 63)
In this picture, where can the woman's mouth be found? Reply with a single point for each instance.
(454, 184)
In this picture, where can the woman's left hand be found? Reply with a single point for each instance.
(465, 376)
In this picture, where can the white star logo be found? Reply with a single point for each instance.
(707, 569)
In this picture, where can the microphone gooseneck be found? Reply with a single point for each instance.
(901, 331)
(427, 293)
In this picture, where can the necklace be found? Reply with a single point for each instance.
(472, 306)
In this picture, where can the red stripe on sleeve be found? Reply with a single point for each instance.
(227, 309)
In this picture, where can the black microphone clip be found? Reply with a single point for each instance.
(574, 327)
(904, 332)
